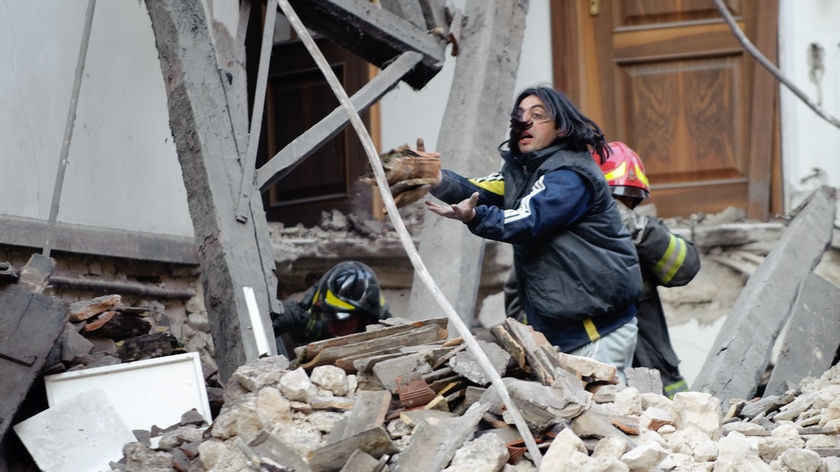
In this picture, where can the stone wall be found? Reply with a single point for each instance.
(171, 293)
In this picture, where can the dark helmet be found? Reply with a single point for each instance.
(349, 289)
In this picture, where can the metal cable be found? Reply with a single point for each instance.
(399, 226)
(753, 51)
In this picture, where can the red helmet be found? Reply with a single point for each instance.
(625, 172)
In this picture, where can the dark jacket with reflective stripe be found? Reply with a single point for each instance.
(667, 260)
(584, 275)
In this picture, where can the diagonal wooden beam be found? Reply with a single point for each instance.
(247, 183)
(307, 143)
(374, 34)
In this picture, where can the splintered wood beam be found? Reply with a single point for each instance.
(374, 34)
(307, 143)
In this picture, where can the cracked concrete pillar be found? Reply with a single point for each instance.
(474, 124)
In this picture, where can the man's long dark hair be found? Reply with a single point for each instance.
(575, 130)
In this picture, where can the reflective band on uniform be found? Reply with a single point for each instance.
(331, 299)
(493, 183)
(676, 387)
(672, 260)
(591, 330)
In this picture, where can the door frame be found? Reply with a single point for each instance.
(576, 71)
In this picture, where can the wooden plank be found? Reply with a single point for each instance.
(246, 185)
(30, 324)
(374, 34)
(307, 143)
(425, 334)
(331, 457)
(742, 349)
(812, 338)
(311, 350)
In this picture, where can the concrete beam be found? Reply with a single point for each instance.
(205, 133)
(474, 123)
(374, 34)
(742, 349)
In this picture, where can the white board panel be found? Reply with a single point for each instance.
(145, 393)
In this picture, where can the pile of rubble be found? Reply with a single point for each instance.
(406, 398)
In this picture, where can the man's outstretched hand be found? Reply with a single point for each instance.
(462, 211)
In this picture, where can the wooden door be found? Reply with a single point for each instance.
(297, 97)
(670, 79)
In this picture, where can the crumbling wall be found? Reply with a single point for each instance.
(171, 293)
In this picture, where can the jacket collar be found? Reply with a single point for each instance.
(533, 159)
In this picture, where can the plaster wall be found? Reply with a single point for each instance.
(122, 171)
(809, 56)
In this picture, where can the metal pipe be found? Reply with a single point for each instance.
(68, 128)
(122, 287)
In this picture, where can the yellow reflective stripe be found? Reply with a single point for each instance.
(493, 183)
(618, 172)
(337, 302)
(310, 325)
(641, 176)
(591, 330)
(672, 260)
(674, 388)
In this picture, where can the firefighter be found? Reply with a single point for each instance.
(666, 259)
(345, 300)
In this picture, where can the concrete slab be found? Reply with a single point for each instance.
(812, 338)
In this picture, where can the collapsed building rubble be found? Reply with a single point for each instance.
(425, 409)
(417, 376)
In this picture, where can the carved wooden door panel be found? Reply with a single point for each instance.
(671, 80)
